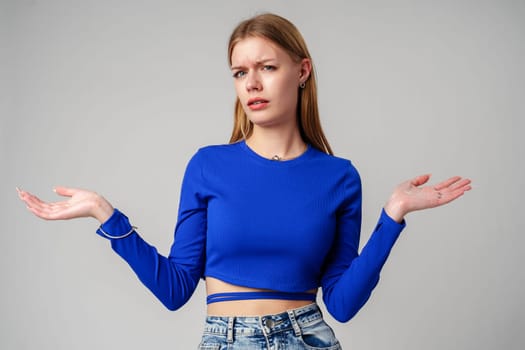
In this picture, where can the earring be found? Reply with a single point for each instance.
(302, 85)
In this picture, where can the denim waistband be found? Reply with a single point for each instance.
(238, 326)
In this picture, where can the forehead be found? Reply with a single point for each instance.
(255, 49)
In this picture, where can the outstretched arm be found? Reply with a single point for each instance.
(172, 279)
(350, 277)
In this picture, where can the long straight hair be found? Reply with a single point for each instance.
(284, 34)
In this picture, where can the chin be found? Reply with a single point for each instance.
(266, 121)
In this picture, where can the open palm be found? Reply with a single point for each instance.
(80, 203)
(411, 195)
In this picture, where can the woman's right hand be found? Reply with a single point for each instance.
(81, 203)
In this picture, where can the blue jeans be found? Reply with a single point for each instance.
(302, 328)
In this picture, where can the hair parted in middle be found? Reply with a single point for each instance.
(284, 34)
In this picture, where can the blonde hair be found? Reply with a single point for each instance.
(284, 34)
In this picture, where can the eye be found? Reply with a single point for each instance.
(239, 74)
(269, 67)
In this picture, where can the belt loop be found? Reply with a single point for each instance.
(230, 330)
(295, 325)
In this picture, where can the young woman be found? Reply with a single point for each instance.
(268, 218)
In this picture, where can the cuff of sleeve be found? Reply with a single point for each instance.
(116, 227)
(387, 220)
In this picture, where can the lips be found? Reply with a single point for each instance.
(256, 100)
(257, 103)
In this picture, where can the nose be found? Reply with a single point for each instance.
(253, 82)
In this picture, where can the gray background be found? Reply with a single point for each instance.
(116, 96)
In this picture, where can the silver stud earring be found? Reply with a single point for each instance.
(302, 85)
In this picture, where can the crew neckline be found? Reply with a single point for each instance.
(280, 163)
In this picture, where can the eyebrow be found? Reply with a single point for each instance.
(257, 63)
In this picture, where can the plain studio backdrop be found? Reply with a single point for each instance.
(116, 96)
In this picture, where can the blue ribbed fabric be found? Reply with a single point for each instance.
(287, 226)
(229, 296)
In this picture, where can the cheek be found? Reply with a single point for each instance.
(288, 92)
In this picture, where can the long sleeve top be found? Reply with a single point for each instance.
(287, 226)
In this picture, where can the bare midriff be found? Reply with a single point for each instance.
(251, 307)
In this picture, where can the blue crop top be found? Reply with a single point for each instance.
(286, 226)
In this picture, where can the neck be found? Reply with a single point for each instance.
(278, 143)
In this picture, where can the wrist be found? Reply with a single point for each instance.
(395, 209)
(102, 209)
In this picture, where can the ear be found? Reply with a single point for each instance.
(306, 69)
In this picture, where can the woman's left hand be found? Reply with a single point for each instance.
(411, 195)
